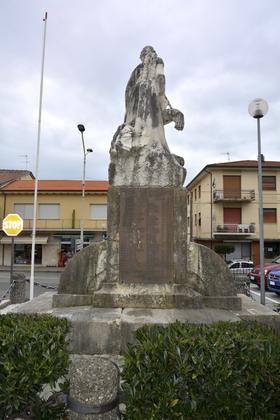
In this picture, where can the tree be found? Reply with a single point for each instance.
(223, 249)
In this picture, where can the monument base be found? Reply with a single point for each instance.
(153, 296)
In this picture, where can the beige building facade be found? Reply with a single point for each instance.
(60, 216)
(223, 208)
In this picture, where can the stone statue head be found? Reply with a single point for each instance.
(147, 54)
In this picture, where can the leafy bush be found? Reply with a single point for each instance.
(219, 371)
(32, 353)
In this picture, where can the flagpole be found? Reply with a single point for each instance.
(37, 163)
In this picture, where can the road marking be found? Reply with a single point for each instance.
(267, 298)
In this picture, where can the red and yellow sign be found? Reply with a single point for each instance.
(12, 224)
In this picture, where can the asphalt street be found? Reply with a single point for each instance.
(44, 278)
(271, 299)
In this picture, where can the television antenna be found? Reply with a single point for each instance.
(26, 160)
(228, 155)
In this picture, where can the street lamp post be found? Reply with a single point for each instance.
(257, 109)
(81, 128)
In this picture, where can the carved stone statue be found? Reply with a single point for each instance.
(146, 261)
(139, 151)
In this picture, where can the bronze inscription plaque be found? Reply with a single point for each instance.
(146, 235)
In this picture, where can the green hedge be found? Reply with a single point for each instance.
(219, 371)
(33, 352)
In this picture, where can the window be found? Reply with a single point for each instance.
(235, 265)
(199, 191)
(195, 219)
(247, 265)
(271, 249)
(49, 211)
(22, 254)
(195, 194)
(25, 210)
(269, 215)
(98, 211)
(199, 219)
(269, 183)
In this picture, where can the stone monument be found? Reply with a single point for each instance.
(146, 261)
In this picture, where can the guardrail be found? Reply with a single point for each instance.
(240, 228)
(233, 195)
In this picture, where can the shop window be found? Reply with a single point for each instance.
(269, 183)
(269, 216)
(25, 210)
(98, 211)
(271, 249)
(49, 211)
(23, 254)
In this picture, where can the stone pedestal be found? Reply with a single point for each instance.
(17, 293)
(94, 386)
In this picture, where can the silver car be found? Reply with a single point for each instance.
(241, 266)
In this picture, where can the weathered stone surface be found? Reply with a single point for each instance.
(202, 280)
(207, 273)
(108, 331)
(86, 271)
(94, 329)
(17, 293)
(71, 299)
(146, 235)
(139, 152)
(94, 385)
(146, 262)
(157, 296)
(144, 166)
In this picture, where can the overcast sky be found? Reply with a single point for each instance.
(218, 55)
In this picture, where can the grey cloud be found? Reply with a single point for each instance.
(218, 57)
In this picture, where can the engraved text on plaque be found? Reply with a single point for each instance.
(146, 235)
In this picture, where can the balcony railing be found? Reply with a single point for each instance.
(65, 224)
(236, 229)
(233, 195)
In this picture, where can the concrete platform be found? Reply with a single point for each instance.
(108, 330)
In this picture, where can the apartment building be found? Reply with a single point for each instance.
(223, 207)
(59, 218)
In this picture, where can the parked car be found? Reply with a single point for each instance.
(273, 281)
(255, 276)
(241, 266)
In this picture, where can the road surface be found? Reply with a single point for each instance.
(45, 278)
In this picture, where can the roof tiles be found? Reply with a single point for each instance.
(56, 185)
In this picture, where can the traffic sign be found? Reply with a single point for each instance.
(12, 224)
(78, 245)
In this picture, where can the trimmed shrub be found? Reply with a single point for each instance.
(189, 371)
(33, 352)
(224, 249)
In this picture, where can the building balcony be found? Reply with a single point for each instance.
(66, 224)
(241, 229)
(233, 195)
